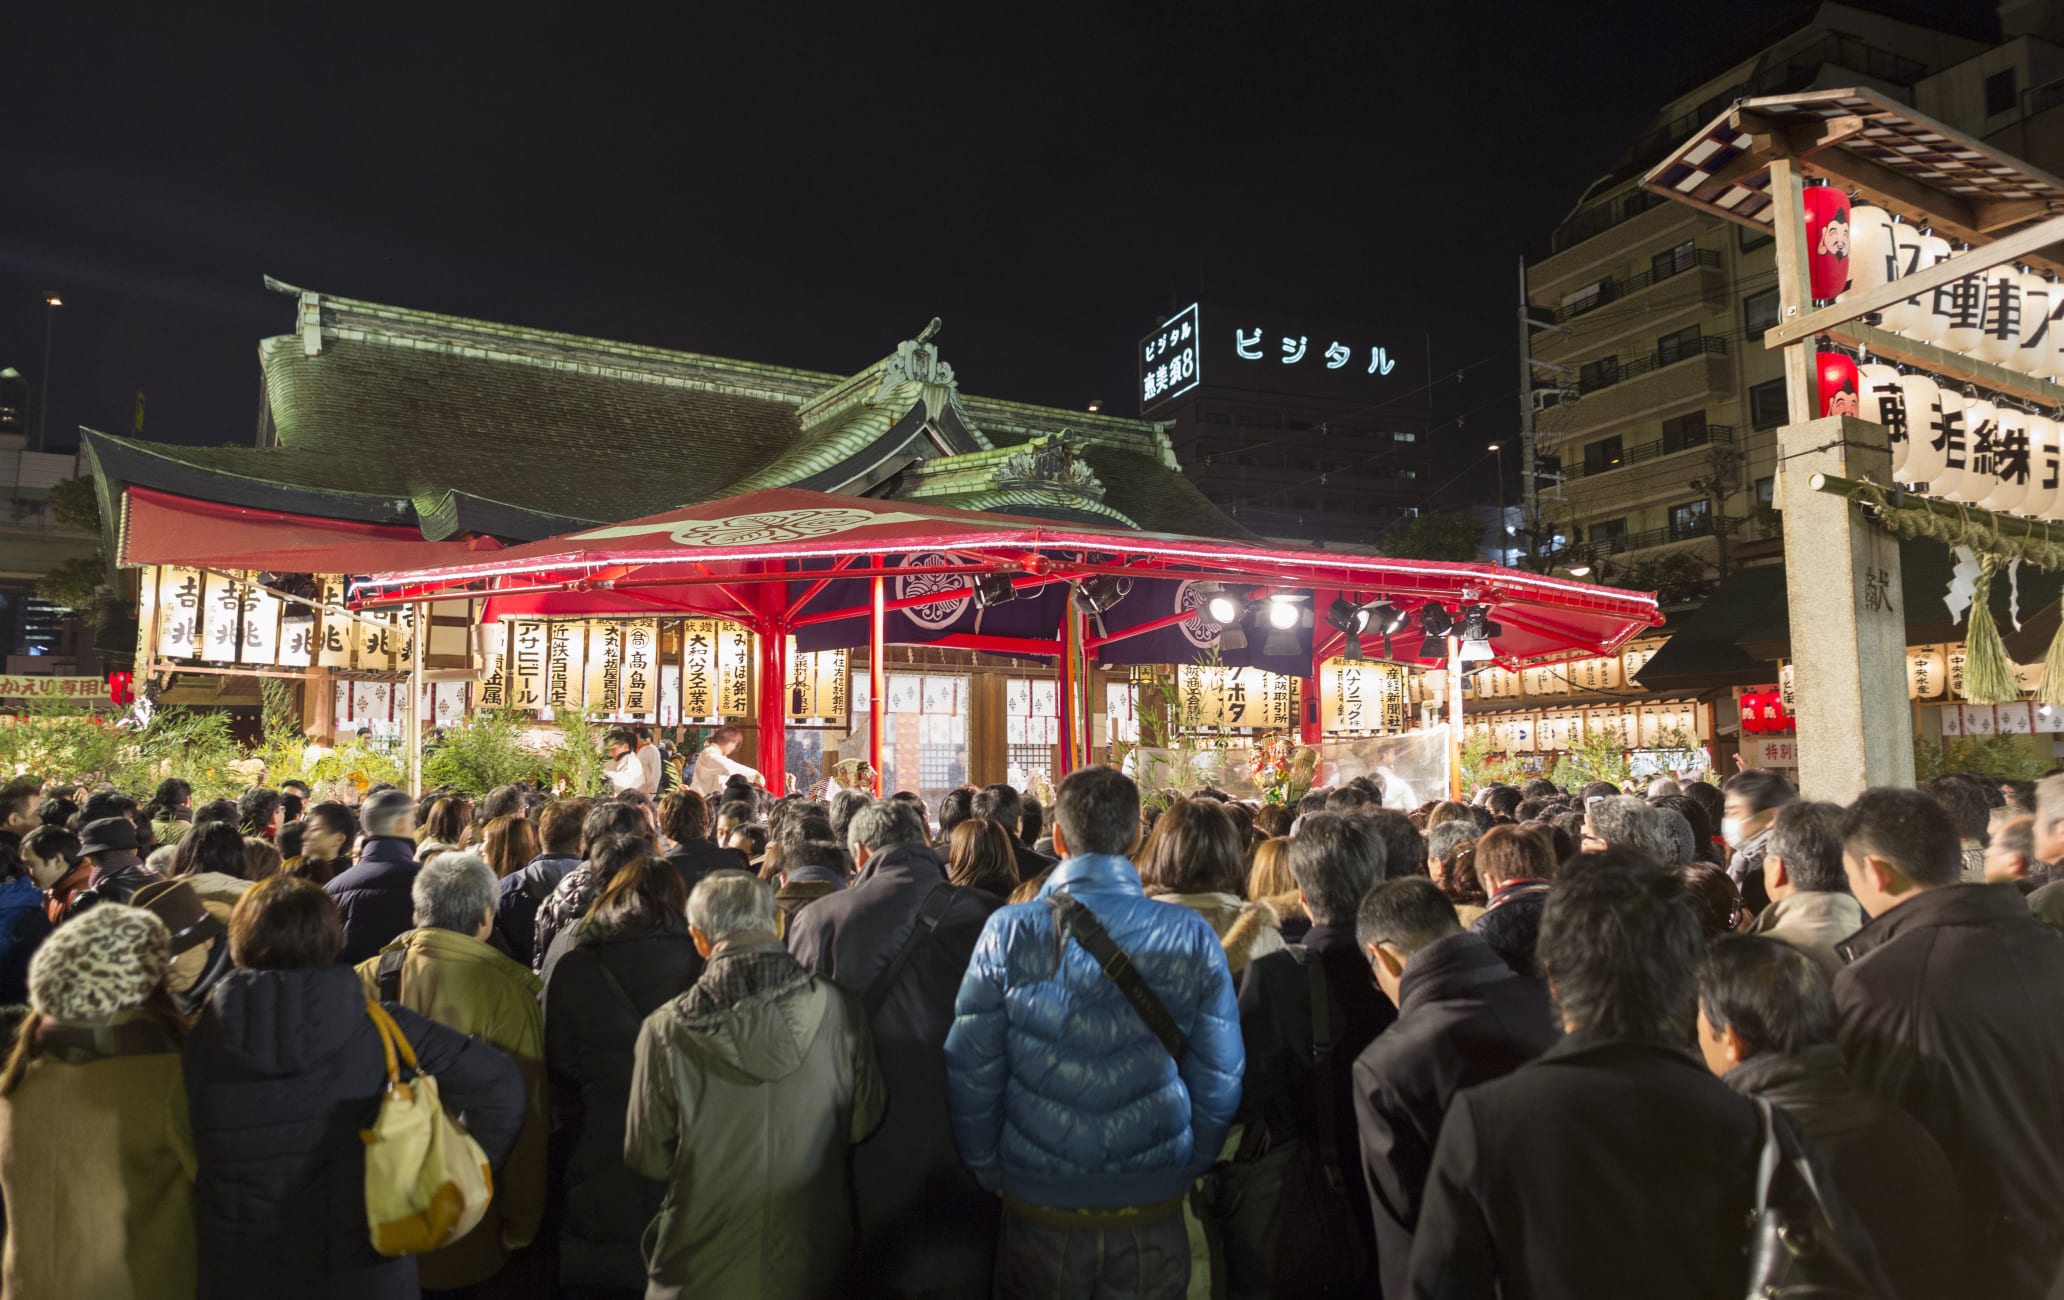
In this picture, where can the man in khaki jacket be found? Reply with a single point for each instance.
(747, 1095)
(445, 970)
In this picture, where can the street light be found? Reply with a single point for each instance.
(1498, 448)
(51, 302)
(1580, 571)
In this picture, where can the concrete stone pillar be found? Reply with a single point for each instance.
(1848, 621)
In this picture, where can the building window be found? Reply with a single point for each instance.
(1404, 437)
(1599, 374)
(1688, 520)
(1607, 530)
(1754, 237)
(1765, 490)
(1677, 345)
(1999, 93)
(1668, 263)
(1759, 313)
(1768, 404)
(1687, 430)
(1603, 455)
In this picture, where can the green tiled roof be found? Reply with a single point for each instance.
(452, 421)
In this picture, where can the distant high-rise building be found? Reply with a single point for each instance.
(14, 405)
(1300, 428)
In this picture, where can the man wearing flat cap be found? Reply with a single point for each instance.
(109, 844)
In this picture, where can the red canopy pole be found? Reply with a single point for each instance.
(773, 693)
(1066, 685)
(1310, 729)
(1454, 717)
(877, 684)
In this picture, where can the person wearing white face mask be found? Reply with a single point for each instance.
(1752, 800)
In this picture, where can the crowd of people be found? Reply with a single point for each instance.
(1541, 1044)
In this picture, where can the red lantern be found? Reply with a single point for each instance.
(1752, 711)
(1774, 718)
(1827, 239)
(118, 680)
(1839, 385)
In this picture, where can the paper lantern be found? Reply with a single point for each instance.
(1827, 239)
(1873, 255)
(2045, 460)
(1912, 460)
(2002, 306)
(1959, 307)
(1752, 711)
(1883, 402)
(1941, 444)
(2012, 460)
(2036, 353)
(1933, 323)
(1839, 391)
(1976, 482)
(1906, 315)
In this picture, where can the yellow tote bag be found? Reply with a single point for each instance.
(427, 1182)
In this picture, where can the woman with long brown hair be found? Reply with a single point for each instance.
(508, 844)
(980, 855)
(1194, 859)
(1269, 881)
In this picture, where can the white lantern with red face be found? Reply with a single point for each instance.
(1827, 239)
(1838, 390)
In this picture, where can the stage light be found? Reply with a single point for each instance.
(994, 589)
(1348, 619)
(1283, 613)
(1477, 625)
(1434, 619)
(1387, 618)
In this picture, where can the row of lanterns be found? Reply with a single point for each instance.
(1764, 712)
(1959, 448)
(2002, 314)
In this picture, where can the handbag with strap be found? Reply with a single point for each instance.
(1794, 1250)
(427, 1182)
(1277, 1212)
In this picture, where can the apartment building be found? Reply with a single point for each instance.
(1658, 407)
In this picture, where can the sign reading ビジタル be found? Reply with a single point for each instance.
(53, 688)
(1263, 352)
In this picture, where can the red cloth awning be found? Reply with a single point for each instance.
(161, 528)
(700, 558)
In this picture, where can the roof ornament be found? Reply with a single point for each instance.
(1054, 461)
(916, 361)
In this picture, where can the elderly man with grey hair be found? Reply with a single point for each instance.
(900, 939)
(373, 896)
(1622, 821)
(445, 969)
(747, 1093)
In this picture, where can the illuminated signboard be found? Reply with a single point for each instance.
(1232, 348)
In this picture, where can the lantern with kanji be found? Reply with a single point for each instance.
(1882, 401)
(1873, 257)
(1839, 388)
(2011, 460)
(1827, 239)
(1981, 437)
(1923, 456)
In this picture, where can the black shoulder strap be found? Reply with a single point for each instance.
(928, 916)
(1073, 919)
(1322, 1063)
(389, 977)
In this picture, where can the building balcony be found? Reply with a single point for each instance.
(1740, 530)
(1618, 290)
(1646, 451)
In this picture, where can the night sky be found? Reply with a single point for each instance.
(806, 185)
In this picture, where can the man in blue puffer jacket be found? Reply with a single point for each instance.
(1064, 1101)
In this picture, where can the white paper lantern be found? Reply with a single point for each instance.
(2011, 460)
(1935, 304)
(1873, 255)
(1923, 408)
(2045, 460)
(2035, 354)
(2001, 334)
(1981, 432)
(1957, 311)
(1959, 415)
(1882, 401)
(1906, 315)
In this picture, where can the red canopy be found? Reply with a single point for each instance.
(161, 528)
(698, 559)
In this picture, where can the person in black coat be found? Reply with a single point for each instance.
(926, 1226)
(1464, 1018)
(1952, 1009)
(1767, 1027)
(560, 842)
(1335, 858)
(1613, 1164)
(1003, 805)
(1514, 866)
(629, 956)
(375, 895)
(684, 819)
(283, 1071)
